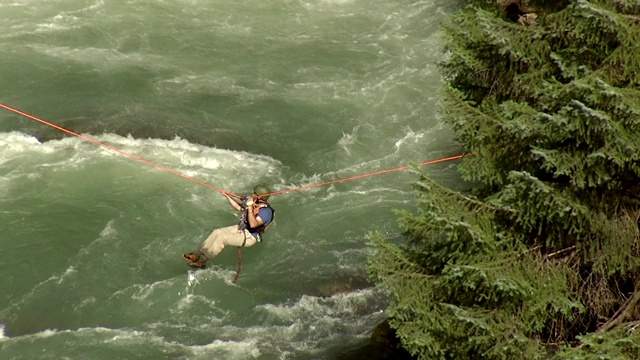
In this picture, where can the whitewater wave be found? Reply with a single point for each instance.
(217, 166)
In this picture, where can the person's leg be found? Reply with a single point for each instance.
(226, 236)
(216, 242)
(195, 259)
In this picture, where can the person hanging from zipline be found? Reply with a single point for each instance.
(257, 216)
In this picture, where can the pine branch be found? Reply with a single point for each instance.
(622, 312)
(456, 194)
(553, 254)
(397, 255)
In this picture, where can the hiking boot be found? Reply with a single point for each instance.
(194, 261)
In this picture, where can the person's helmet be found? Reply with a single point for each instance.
(262, 189)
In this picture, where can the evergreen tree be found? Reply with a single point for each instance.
(547, 250)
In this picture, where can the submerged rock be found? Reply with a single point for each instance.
(384, 338)
(383, 345)
(342, 284)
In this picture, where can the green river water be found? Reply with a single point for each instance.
(231, 93)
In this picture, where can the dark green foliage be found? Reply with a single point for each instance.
(562, 142)
(551, 250)
(453, 298)
(622, 343)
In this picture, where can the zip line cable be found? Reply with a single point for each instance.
(83, 137)
(368, 174)
(222, 191)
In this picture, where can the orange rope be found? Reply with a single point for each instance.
(87, 138)
(235, 280)
(117, 150)
(367, 175)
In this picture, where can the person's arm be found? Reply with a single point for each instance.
(233, 203)
(252, 218)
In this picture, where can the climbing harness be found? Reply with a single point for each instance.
(244, 225)
(244, 221)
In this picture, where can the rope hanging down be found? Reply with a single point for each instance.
(87, 138)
